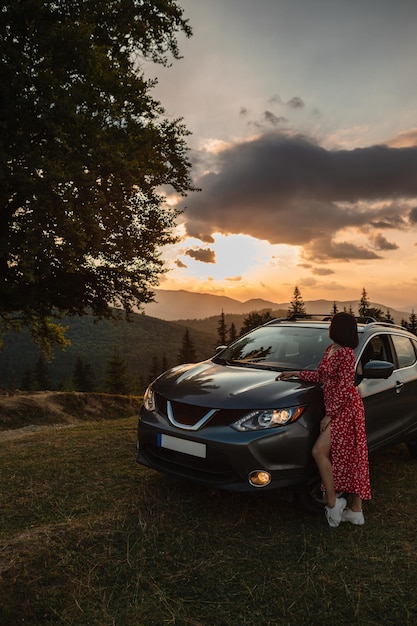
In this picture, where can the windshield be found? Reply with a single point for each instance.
(279, 347)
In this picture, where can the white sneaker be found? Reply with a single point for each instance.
(355, 517)
(334, 514)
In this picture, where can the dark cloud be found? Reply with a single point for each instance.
(413, 215)
(291, 190)
(296, 103)
(326, 249)
(382, 244)
(322, 271)
(275, 99)
(205, 255)
(273, 119)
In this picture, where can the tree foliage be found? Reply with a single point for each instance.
(364, 304)
(85, 157)
(232, 333)
(117, 379)
(222, 329)
(255, 319)
(297, 303)
(83, 376)
(187, 354)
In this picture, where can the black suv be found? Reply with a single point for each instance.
(226, 422)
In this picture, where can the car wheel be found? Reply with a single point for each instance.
(310, 497)
(412, 448)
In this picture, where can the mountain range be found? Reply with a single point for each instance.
(185, 305)
(150, 342)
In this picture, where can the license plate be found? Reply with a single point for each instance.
(182, 445)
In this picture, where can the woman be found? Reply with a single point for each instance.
(341, 450)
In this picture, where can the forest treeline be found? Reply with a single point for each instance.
(124, 357)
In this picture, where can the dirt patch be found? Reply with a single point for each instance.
(30, 411)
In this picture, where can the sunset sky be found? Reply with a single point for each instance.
(303, 116)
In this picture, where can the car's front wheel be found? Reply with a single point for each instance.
(412, 448)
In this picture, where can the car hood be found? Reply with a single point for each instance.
(229, 386)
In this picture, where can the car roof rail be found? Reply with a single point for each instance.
(365, 319)
(324, 317)
(388, 323)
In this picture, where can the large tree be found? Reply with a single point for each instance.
(86, 154)
(297, 305)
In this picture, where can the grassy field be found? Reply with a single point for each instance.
(88, 537)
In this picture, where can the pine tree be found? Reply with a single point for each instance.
(364, 304)
(255, 319)
(83, 376)
(155, 369)
(28, 380)
(232, 333)
(412, 325)
(222, 330)
(388, 316)
(116, 375)
(297, 305)
(41, 374)
(187, 354)
(334, 308)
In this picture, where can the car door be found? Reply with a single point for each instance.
(380, 396)
(405, 376)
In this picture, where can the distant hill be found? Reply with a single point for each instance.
(175, 305)
(185, 305)
(144, 344)
(147, 344)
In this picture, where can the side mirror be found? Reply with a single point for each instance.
(378, 369)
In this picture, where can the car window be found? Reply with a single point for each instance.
(283, 346)
(377, 349)
(405, 352)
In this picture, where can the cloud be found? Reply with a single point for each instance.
(234, 279)
(179, 263)
(291, 190)
(273, 119)
(325, 249)
(322, 271)
(296, 103)
(382, 244)
(205, 255)
(403, 140)
(413, 215)
(275, 99)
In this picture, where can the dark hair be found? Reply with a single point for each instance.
(344, 330)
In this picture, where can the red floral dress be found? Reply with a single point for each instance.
(344, 405)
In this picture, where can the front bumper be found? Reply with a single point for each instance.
(222, 457)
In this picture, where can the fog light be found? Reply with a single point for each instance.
(259, 478)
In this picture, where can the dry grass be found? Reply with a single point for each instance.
(90, 538)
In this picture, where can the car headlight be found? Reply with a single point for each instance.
(149, 399)
(269, 418)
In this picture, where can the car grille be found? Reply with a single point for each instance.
(190, 414)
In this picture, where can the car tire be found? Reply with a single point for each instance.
(412, 448)
(310, 496)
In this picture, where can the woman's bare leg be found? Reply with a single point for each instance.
(356, 505)
(321, 455)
